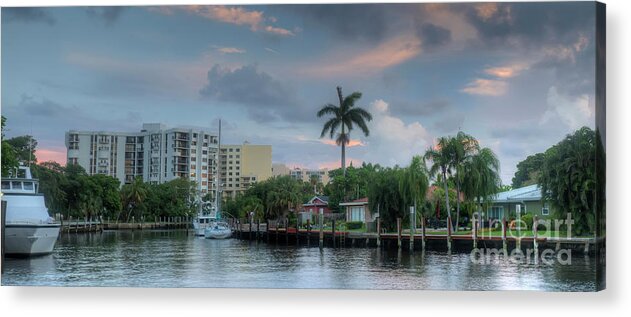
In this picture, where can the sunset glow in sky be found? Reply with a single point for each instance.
(518, 76)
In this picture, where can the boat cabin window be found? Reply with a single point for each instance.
(6, 185)
(16, 185)
(28, 185)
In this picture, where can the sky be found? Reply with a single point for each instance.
(517, 76)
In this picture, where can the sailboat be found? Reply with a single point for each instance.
(218, 229)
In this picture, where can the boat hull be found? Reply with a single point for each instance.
(217, 234)
(22, 240)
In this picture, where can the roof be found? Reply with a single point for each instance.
(311, 202)
(527, 193)
(356, 202)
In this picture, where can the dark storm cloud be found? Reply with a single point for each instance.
(352, 22)
(266, 98)
(107, 15)
(27, 14)
(44, 107)
(532, 24)
(405, 108)
(432, 35)
(48, 119)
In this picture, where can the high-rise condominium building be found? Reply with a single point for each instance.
(303, 174)
(243, 165)
(156, 154)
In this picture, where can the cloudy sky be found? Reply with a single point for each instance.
(518, 76)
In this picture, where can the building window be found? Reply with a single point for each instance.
(357, 214)
(545, 210)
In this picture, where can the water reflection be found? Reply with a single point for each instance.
(175, 259)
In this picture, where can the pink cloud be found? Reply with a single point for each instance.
(230, 50)
(51, 154)
(387, 54)
(486, 87)
(506, 71)
(337, 164)
(255, 20)
(352, 142)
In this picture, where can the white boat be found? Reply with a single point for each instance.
(218, 230)
(201, 222)
(29, 230)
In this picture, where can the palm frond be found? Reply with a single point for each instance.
(329, 109)
(330, 126)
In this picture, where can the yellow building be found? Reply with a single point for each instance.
(243, 165)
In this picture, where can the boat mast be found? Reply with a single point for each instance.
(218, 185)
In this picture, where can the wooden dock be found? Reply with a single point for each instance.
(282, 234)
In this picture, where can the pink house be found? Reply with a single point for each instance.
(314, 204)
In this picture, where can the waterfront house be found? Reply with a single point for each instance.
(316, 203)
(523, 200)
(358, 210)
(313, 206)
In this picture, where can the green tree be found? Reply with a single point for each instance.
(482, 180)
(24, 147)
(344, 118)
(385, 197)
(442, 160)
(9, 160)
(251, 204)
(284, 196)
(413, 183)
(568, 179)
(528, 170)
(132, 196)
(314, 180)
(109, 195)
(51, 179)
(464, 146)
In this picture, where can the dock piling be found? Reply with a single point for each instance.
(321, 221)
(399, 233)
(378, 232)
(412, 225)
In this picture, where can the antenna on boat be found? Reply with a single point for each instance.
(218, 185)
(30, 144)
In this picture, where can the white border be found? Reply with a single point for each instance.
(41, 301)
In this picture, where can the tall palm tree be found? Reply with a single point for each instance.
(413, 183)
(441, 156)
(482, 179)
(464, 146)
(344, 118)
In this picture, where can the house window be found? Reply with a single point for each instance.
(357, 214)
(545, 210)
(496, 212)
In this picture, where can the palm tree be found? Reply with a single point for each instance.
(482, 179)
(345, 117)
(314, 180)
(441, 156)
(133, 195)
(413, 183)
(464, 147)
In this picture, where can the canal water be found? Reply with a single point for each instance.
(175, 259)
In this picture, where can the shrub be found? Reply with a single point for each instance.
(528, 219)
(351, 225)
